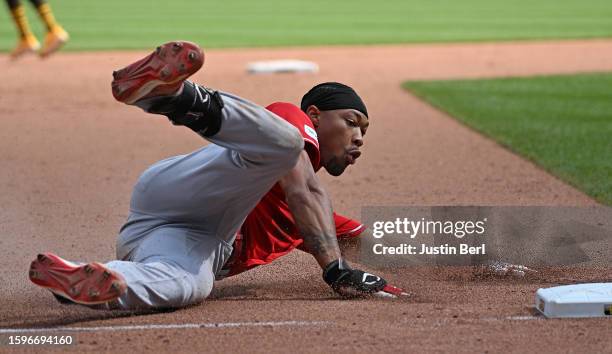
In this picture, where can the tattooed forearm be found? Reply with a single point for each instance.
(314, 218)
(323, 247)
(312, 211)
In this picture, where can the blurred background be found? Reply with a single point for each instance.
(119, 24)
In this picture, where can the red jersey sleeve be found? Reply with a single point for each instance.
(347, 228)
(294, 115)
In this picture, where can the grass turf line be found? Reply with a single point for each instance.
(562, 123)
(140, 24)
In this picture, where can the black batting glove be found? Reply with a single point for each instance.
(350, 282)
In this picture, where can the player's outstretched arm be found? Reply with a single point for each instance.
(312, 211)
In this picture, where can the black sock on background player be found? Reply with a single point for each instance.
(43, 9)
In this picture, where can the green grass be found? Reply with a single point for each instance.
(132, 24)
(562, 123)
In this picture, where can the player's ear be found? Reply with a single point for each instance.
(314, 114)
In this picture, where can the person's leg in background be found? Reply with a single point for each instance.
(56, 36)
(27, 42)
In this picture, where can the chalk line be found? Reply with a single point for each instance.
(164, 326)
(513, 318)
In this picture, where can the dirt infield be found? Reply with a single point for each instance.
(70, 155)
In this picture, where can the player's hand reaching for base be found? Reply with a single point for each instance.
(350, 282)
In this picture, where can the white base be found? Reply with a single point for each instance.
(282, 66)
(573, 301)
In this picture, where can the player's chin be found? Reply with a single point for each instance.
(336, 167)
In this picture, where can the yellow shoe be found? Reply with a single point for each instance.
(25, 45)
(54, 40)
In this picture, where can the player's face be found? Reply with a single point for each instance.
(340, 134)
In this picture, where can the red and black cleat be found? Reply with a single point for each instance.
(87, 284)
(161, 73)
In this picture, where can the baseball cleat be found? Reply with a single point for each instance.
(62, 300)
(160, 73)
(54, 40)
(87, 284)
(25, 45)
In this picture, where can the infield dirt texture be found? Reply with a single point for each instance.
(70, 154)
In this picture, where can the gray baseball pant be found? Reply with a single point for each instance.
(185, 210)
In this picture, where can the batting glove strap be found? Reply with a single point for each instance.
(351, 282)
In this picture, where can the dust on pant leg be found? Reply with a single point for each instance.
(166, 266)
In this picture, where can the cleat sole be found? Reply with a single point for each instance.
(161, 73)
(87, 284)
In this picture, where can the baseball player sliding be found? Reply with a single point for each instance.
(244, 200)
